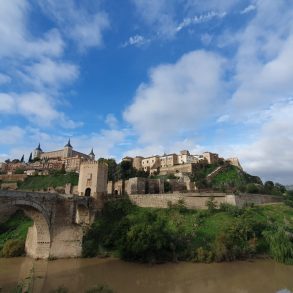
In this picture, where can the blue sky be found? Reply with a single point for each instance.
(143, 77)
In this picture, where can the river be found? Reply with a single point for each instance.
(80, 274)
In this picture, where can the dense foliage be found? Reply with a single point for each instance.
(122, 171)
(224, 233)
(13, 234)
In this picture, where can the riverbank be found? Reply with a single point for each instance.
(79, 275)
(225, 233)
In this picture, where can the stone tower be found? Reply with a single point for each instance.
(93, 177)
(37, 152)
(67, 152)
(92, 155)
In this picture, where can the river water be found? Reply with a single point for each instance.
(78, 275)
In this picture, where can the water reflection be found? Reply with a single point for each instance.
(80, 274)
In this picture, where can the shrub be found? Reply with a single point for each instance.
(252, 188)
(234, 211)
(13, 248)
(211, 205)
(203, 255)
(237, 242)
(280, 245)
(153, 236)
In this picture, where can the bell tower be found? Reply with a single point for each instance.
(92, 155)
(67, 152)
(37, 152)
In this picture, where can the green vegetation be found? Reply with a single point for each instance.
(224, 233)
(13, 234)
(232, 179)
(122, 171)
(57, 178)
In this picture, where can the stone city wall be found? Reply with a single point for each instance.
(191, 200)
(198, 201)
(257, 199)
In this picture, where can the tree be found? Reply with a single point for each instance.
(112, 168)
(22, 159)
(30, 159)
(269, 186)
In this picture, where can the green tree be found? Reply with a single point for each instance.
(269, 186)
(22, 159)
(30, 159)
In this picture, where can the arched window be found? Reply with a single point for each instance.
(87, 192)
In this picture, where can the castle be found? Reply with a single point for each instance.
(67, 156)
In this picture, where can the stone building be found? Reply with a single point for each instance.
(66, 152)
(93, 177)
(151, 164)
(168, 160)
(211, 157)
(186, 158)
(70, 158)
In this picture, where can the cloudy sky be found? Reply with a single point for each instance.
(143, 77)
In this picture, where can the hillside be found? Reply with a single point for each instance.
(232, 176)
(43, 182)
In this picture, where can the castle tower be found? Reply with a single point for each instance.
(93, 177)
(137, 163)
(37, 152)
(67, 152)
(92, 155)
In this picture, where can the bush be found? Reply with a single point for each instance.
(153, 236)
(211, 205)
(280, 245)
(252, 188)
(203, 255)
(13, 248)
(239, 241)
(231, 210)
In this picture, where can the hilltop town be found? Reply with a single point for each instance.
(154, 174)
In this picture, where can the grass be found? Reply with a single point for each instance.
(44, 182)
(235, 176)
(15, 228)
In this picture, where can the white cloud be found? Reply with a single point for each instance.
(264, 66)
(7, 103)
(207, 5)
(178, 96)
(158, 14)
(111, 121)
(4, 79)
(36, 107)
(50, 73)
(84, 25)
(136, 40)
(248, 9)
(270, 154)
(11, 135)
(16, 41)
(200, 19)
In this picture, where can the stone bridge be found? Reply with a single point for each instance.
(59, 221)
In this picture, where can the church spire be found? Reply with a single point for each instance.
(68, 144)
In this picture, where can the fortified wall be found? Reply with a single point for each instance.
(199, 201)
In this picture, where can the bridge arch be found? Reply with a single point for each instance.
(38, 240)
